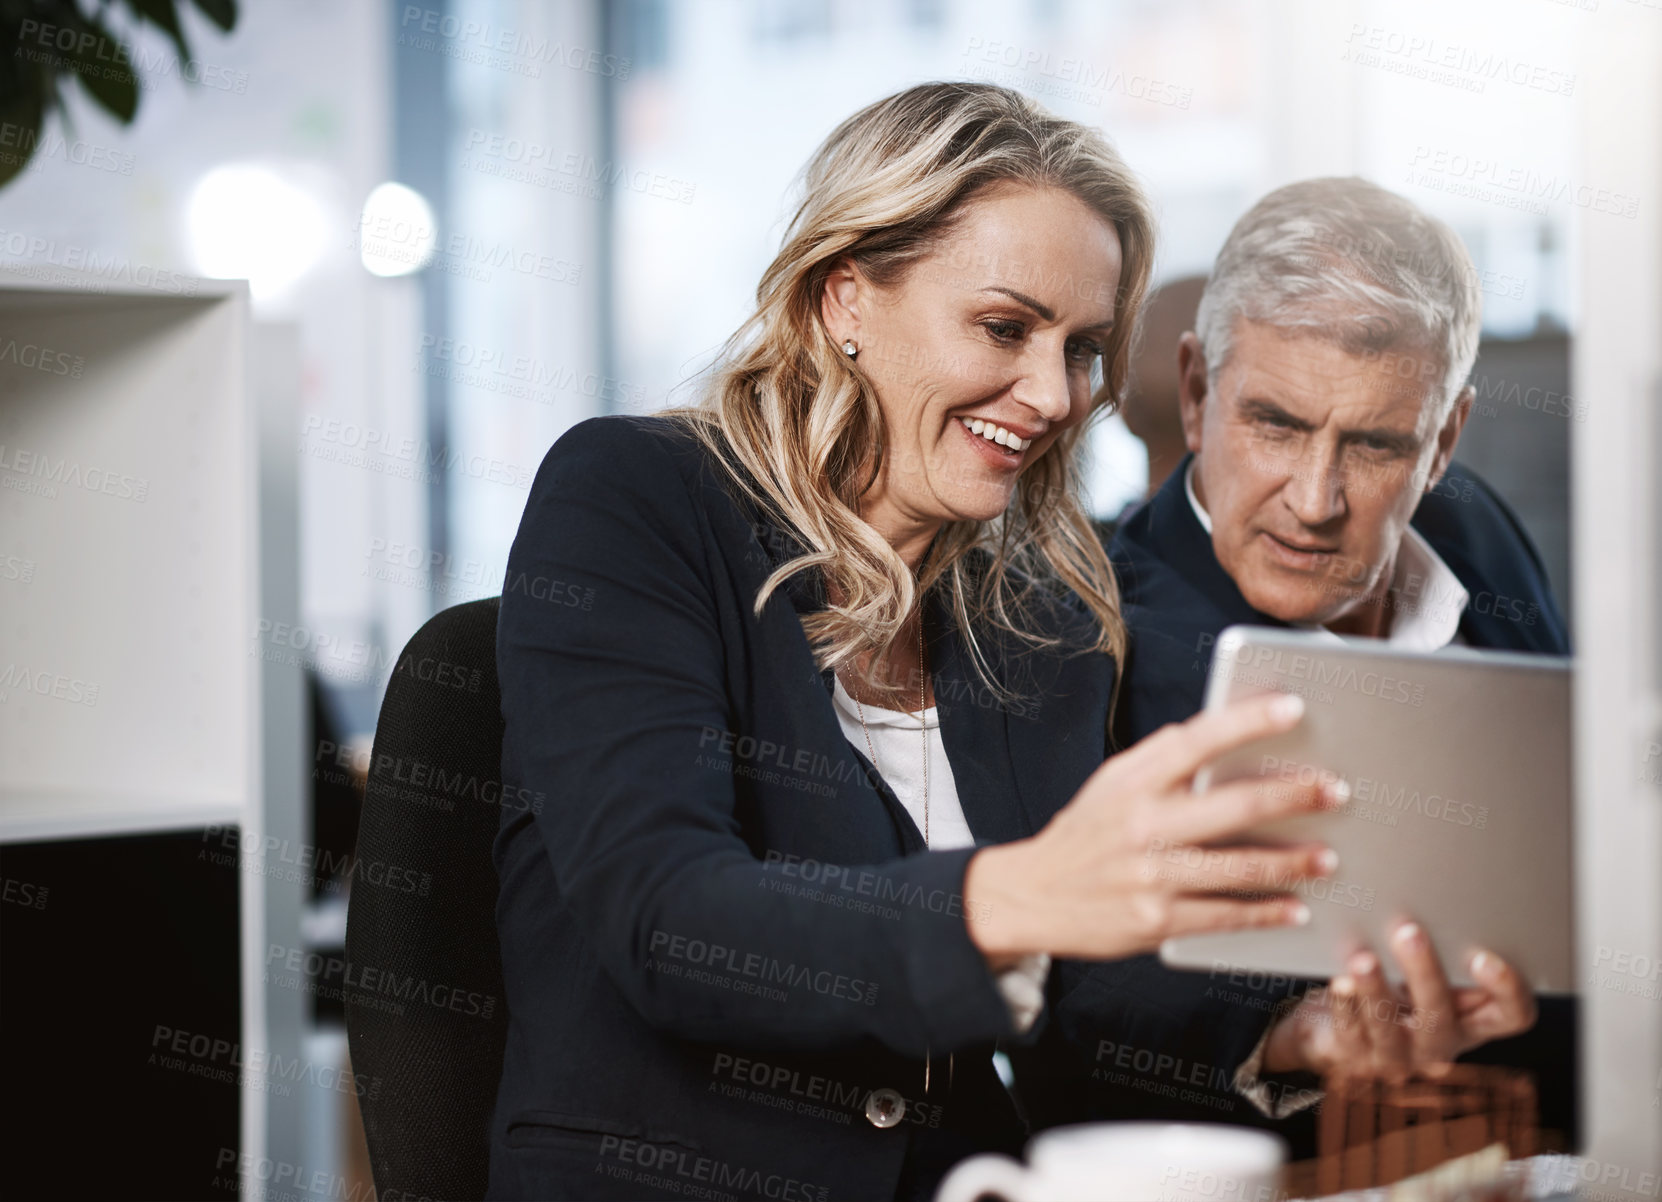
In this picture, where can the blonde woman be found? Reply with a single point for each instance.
(823, 744)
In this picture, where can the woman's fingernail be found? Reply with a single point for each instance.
(1483, 965)
(1327, 860)
(1363, 963)
(1338, 792)
(1300, 915)
(1343, 986)
(1289, 707)
(1408, 934)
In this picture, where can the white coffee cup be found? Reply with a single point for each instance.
(1129, 1162)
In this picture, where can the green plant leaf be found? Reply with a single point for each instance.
(22, 111)
(222, 13)
(31, 84)
(165, 15)
(105, 73)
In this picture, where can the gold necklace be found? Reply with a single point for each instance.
(923, 681)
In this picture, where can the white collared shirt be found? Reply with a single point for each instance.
(1429, 596)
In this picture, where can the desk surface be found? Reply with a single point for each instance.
(1550, 1178)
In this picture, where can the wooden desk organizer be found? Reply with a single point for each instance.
(1372, 1133)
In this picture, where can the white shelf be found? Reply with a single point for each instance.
(33, 819)
(128, 486)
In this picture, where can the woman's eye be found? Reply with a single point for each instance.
(1003, 331)
(1084, 350)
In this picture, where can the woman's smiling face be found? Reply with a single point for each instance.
(982, 354)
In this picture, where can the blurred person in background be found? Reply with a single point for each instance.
(1151, 407)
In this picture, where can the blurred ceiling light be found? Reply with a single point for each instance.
(397, 231)
(249, 223)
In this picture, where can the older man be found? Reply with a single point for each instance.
(1323, 393)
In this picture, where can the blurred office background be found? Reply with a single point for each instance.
(477, 222)
(597, 188)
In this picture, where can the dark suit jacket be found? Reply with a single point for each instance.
(721, 933)
(1177, 598)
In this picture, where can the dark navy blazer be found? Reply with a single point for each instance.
(722, 937)
(1177, 598)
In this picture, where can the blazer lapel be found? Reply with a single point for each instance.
(976, 733)
(1056, 741)
(805, 593)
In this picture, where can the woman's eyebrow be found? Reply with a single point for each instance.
(1043, 310)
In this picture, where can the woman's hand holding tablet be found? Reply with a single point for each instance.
(1137, 857)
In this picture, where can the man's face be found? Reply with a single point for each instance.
(1311, 461)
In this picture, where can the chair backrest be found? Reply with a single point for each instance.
(426, 1019)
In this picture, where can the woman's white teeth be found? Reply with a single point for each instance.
(998, 434)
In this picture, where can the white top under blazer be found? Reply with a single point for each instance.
(898, 746)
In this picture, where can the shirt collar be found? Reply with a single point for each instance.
(1429, 596)
(1204, 518)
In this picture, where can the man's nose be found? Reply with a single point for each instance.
(1315, 489)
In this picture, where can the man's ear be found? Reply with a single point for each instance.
(839, 303)
(1449, 436)
(1191, 387)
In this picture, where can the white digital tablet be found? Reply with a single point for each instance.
(1459, 767)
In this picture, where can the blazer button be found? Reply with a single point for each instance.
(884, 1108)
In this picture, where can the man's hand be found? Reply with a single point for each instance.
(1362, 1026)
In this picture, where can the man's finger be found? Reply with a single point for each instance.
(1352, 1056)
(1511, 1009)
(1435, 1027)
(1380, 1018)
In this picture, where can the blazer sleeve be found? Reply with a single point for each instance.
(608, 704)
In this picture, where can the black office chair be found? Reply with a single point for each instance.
(426, 1018)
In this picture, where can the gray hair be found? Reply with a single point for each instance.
(1346, 261)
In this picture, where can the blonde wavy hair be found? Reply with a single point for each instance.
(797, 415)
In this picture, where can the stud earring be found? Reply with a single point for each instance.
(849, 348)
